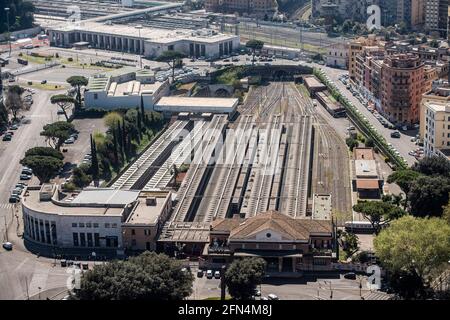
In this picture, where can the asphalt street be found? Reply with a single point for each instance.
(27, 136)
(403, 145)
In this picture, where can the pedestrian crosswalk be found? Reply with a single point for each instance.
(6, 205)
(377, 295)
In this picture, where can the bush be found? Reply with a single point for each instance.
(30, 83)
(70, 59)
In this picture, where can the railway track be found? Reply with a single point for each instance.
(190, 192)
(180, 156)
(148, 160)
(218, 195)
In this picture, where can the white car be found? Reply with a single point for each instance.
(217, 274)
(209, 274)
(273, 297)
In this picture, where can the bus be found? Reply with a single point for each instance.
(359, 227)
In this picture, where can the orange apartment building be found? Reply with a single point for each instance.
(402, 84)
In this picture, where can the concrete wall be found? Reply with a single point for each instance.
(64, 229)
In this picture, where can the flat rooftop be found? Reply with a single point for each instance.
(150, 34)
(366, 168)
(144, 214)
(31, 201)
(363, 154)
(313, 82)
(106, 196)
(197, 102)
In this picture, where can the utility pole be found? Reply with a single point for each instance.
(6, 230)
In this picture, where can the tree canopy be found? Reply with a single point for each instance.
(56, 133)
(20, 15)
(254, 44)
(64, 102)
(149, 276)
(428, 195)
(44, 151)
(44, 167)
(409, 243)
(404, 179)
(77, 82)
(242, 277)
(431, 166)
(112, 120)
(378, 212)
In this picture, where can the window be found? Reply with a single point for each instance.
(133, 232)
(96, 239)
(82, 239)
(133, 242)
(74, 225)
(89, 240)
(106, 225)
(95, 96)
(81, 225)
(147, 232)
(75, 239)
(88, 225)
(114, 225)
(95, 225)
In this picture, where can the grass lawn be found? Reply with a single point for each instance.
(47, 86)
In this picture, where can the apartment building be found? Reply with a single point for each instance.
(402, 88)
(337, 56)
(435, 120)
(355, 48)
(436, 16)
(258, 8)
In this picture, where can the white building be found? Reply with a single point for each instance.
(169, 105)
(90, 221)
(147, 41)
(337, 55)
(124, 88)
(437, 128)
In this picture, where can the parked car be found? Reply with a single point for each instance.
(395, 134)
(350, 276)
(217, 274)
(27, 171)
(7, 137)
(273, 297)
(25, 176)
(7, 245)
(209, 274)
(71, 140)
(264, 298)
(200, 273)
(14, 127)
(14, 198)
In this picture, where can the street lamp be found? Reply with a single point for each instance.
(139, 27)
(9, 35)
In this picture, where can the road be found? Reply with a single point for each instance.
(402, 145)
(306, 288)
(27, 136)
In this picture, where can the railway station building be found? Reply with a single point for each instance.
(286, 244)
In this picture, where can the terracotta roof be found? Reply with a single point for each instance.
(367, 184)
(225, 224)
(289, 228)
(363, 154)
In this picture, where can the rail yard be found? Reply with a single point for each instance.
(275, 155)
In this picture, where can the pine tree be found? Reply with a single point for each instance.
(115, 149)
(143, 118)
(94, 162)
